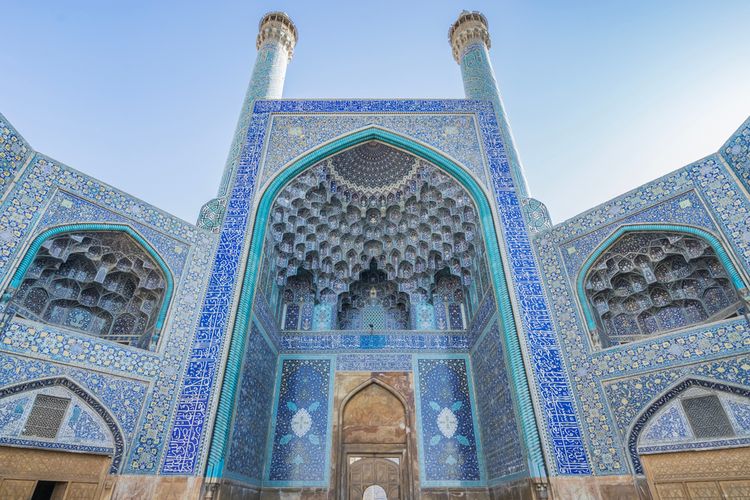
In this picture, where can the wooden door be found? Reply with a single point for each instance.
(364, 472)
(79, 476)
(705, 475)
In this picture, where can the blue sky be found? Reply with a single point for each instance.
(601, 96)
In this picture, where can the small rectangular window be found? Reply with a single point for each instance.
(707, 417)
(46, 416)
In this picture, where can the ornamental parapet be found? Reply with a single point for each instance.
(278, 27)
(469, 27)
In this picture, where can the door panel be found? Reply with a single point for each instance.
(699, 475)
(368, 471)
(15, 489)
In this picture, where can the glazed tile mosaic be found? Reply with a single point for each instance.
(252, 411)
(448, 442)
(393, 239)
(299, 452)
(501, 441)
(13, 153)
(455, 134)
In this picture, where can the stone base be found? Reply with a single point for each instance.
(598, 488)
(455, 494)
(162, 487)
(522, 489)
(228, 489)
(557, 488)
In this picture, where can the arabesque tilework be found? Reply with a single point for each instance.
(80, 426)
(447, 436)
(49, 194)
(502, 446)
(300, 450)
(702, 195)
(456, 135)
(587, 399)
(14, 152)
(252, 410)
(736, 151)
(565, 440)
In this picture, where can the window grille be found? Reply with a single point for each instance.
(707, 417)
(46, 416)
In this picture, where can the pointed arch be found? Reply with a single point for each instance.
(734, 275)
(664, 399)
(366, 384)
(93, 403)
(532, 440)
(39, 240)
(410, 452)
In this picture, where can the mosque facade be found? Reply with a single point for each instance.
(374, 307)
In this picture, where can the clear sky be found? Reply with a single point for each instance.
(602, 96)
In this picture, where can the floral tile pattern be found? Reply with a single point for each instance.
(448, 439)
(299, 452)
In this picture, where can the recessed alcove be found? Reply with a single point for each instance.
(374, 239)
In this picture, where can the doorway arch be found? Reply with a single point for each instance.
(374, 446)
(532, 440)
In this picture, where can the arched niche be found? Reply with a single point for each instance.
(693, 414)
(253, 276)
(648, 279)
(104, 280)
(374, 230)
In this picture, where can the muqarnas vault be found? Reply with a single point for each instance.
(373, 307)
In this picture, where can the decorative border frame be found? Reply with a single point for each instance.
(244, 310)
(37, 242)
(100, 409)
(712, 240)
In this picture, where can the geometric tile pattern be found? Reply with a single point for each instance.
(55, 344)
(252, 411)
(501, 442)
(448, 442)
(454, 134)
(667, 391)
(671, 425)
(373, 362)
(13, 153)
(699, 195)
(80, 427)
(736, 151)
(48, 194)
(122, 397)
(739, 411)
(169, 395)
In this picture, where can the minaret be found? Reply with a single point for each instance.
(470, 41)
(277, 37)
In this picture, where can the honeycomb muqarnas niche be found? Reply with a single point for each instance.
(374, 237)
(101, 283)
(376, 265)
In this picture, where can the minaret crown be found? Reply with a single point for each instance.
(469, 27)
(279, 27)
